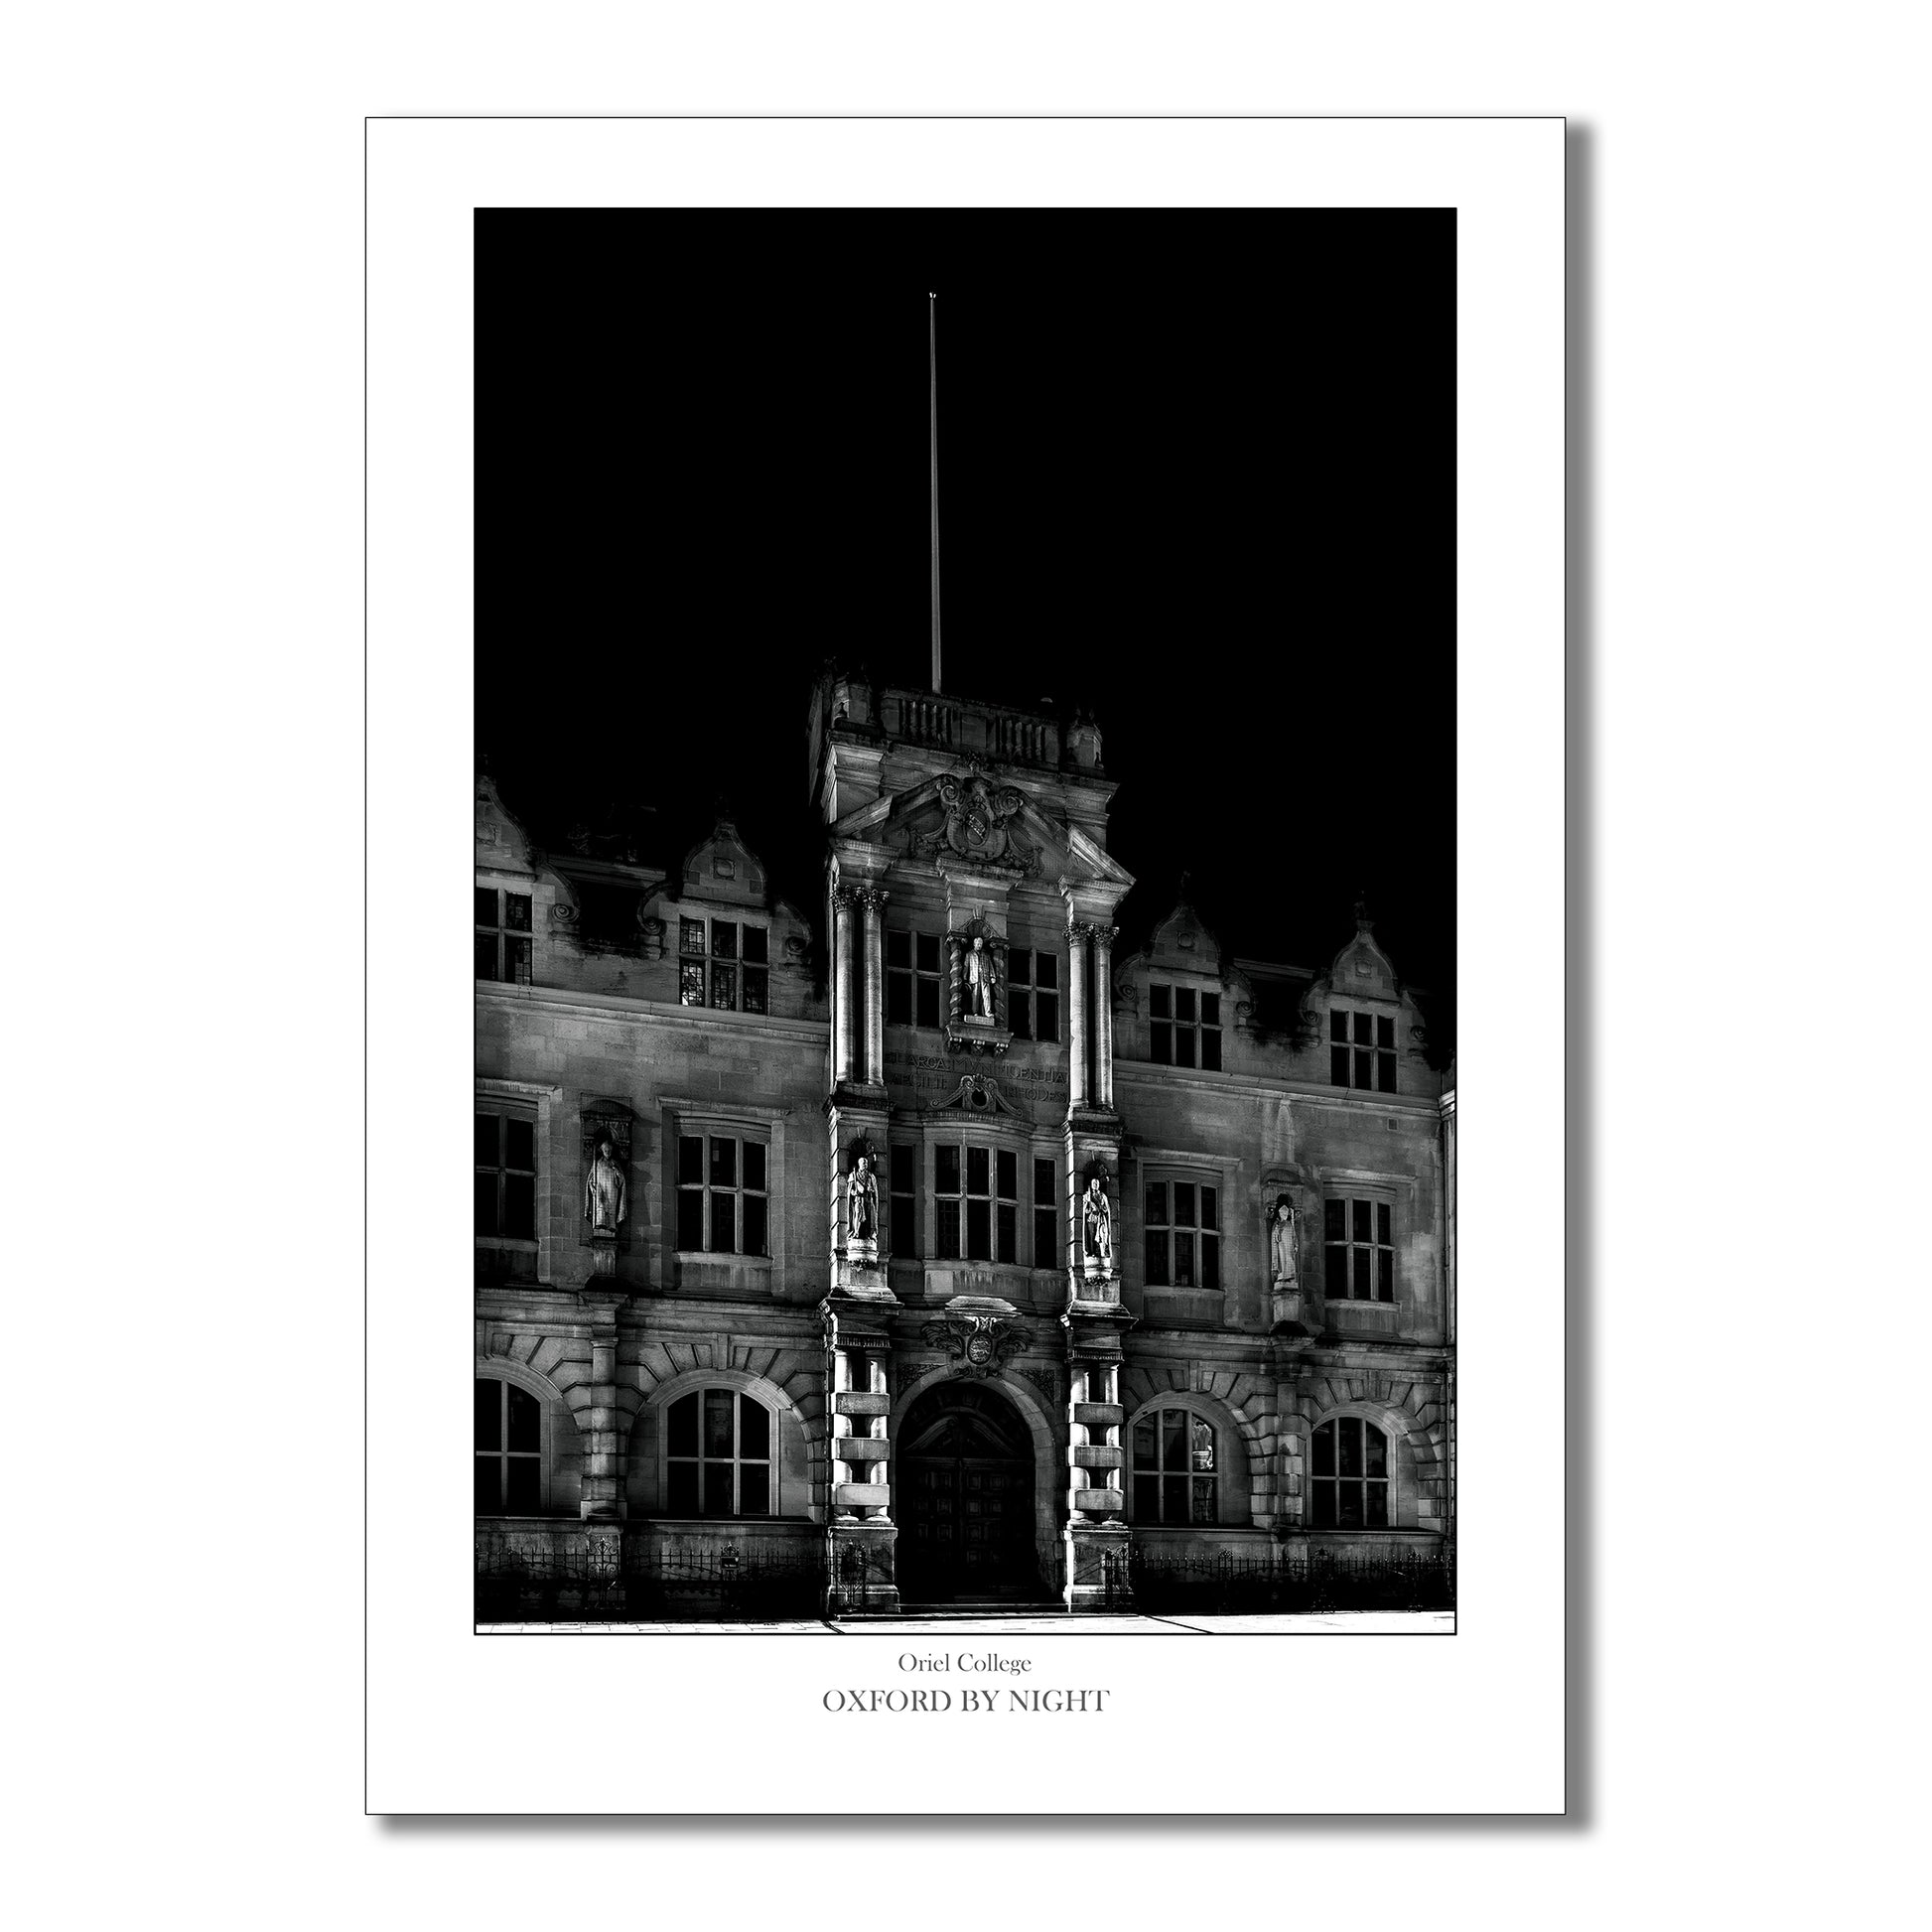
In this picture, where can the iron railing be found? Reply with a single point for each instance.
(725, 1583)
(1233, 1582)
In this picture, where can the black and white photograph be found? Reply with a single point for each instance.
(965, 919)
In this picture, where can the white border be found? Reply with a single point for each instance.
(1468, 1723)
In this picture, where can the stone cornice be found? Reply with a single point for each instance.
(611, 1006)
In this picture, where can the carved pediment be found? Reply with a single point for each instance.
(979, 1094)
(723, 866)
(503, 845)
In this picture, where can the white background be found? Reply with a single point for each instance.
(181, 401)
(438, 1694)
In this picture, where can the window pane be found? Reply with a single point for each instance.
(1173, 1500)
(1184, 1004)
(898, 999)
(1348, 1506)
(1173, 1439)
(517, 912)
(979, 1230)
(1156, 1204)
(1348, 1439)
(1201, 1438)
(754, 1224)
(1334, 1278)
(1020, 1020)
(758, 991)
(1160, 1002)
(1043, 1183)
(1008, 1228)
(717, 1488)
(490, 1415)
(517, 961)
(1160, 1044)
(753, 1489)
(522, 1148)
(946, 1170)
(724, 1162)
(1210, 1009)
(1375, 1451)
(690, 935)
(1205, 1500)
(1211, 1050)
(690, 1221)
(1324, 1449)
(1378, 1505)
(487, 1132)
(1359, 1212)
(723, 1224)
(1385, 1275)
(487, 1203)
(1047, 1017)
(690, 1159)
(1210, 1262)
(1183, 1259)
(979, 1164)
(1020, 967)
(1156, 1258)
(899, 950)
(718, 1422)
(1324, 1505)
(1045, 1246)
(486, 955)
(904, 1172)
(1209, 1199)
(1365, 1283)
(681, 1499)
(486, 906)
(1143, 1450)
(1384, 1222)
(1184, 1203)
(1384, 1030)
(690, 984)
(1363, 1029)
(489, 1490)
(949, 1230)
(525, 1421)
(928, 1002)
(1364, 1073)
(928, 945)
(1385, 1072)
(754, 1429)
(1147, 1498)
(1338, 1067)
(520, 1206)
(757, 944)
(1046, 969)
(1338, 1025)
(684, 1426)
(1334, 1220)
(1184, 1046)
(724, 939)
(724, 987)
(1008, 1170)
(524, 1487)
(755, 1166)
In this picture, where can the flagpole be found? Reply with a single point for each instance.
(932, 368)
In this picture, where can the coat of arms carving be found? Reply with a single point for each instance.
(980, 1344)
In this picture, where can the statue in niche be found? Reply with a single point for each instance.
(1282, 1232)
(1097, 1228)
(605, 1195)
(980, 1003)
(862, 1203)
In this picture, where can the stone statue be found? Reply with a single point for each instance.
(1097, 1228)
(862, 1203)
(1280, 1242)
(604, 1196)
(979, 981)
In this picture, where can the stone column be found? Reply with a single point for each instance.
(1076, 1016)
(602, 1484)
(861, 1535)
(1097, 1539)
(873, 1006)
(841, 985)
(1103, 1016)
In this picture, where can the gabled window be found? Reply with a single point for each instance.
(717, 1456)
(502, 936)
(1174, 1468)
(912, 979)
(1361, 1051)
(1358, 1250)
(721, 1202)
(723, 964)
(1034, 994)
(1183, 1234)
(1350, 1475)
(1184, 1026)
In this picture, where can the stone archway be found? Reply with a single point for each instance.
(964, 1498)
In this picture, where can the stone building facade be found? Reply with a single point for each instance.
(1001, 1268)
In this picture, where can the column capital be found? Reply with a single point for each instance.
(847, 896)
(872, 898)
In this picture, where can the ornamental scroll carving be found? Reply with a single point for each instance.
(980, 1344)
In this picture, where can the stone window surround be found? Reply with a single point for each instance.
(543, 1099)
(1233, 1501)
(552, 1410)
(1020, 1138)
(676, 912)
(790, 1431)
(678, 1115)
(1201, 1171)
(1394, 1425)
(1343, 1183)
(1186, 979)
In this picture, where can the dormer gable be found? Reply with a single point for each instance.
(721, 868)
(503, 843)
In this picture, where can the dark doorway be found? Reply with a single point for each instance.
(966, 1500)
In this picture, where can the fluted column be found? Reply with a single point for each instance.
(841, 985)
(874, 998)
(1103, 1015)
(1076, 1016)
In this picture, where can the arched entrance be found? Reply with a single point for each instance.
(965, 1493)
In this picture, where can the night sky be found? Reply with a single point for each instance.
(1197, 475)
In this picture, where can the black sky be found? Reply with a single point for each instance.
(1196, 474)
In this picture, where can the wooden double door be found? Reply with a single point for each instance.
(965, 1499)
